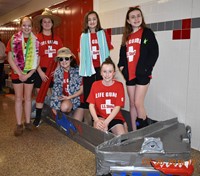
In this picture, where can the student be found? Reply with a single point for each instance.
(2, 59)
(67, 86)
(49, 45)
(138, 55)
(106, 99)
(22, 51)
(95, 47)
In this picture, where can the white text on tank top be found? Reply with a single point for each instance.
(131, 51)
(50, 50)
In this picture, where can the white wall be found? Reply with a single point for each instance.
(175, 88)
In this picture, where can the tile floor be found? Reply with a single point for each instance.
(45, 151)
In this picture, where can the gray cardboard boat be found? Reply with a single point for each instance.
(159, 149)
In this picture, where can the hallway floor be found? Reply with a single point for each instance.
(44, 151)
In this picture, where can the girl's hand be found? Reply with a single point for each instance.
(62, 97)
(23, 77)
(43, 76)
(99, 124)
(52, 73)
(105, 123)
(121, 68)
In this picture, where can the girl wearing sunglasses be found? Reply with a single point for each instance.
(67, 87)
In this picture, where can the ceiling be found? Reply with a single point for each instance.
(7, 6)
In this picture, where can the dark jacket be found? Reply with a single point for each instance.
(148, 55)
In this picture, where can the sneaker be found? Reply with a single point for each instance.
(37, 122)
(19, 130)
(140, 123)
(29, 126)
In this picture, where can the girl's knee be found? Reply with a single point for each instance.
(18, 99)
(132, 103)
(125, 127)
(65, 108)
(119, 129)
(138, 104)
(28, 99)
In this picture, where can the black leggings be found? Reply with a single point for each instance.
(87, 84)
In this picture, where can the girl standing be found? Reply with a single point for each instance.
(138, 55)
(95, 47)
(49, 45)
(22, 52)
(106, 99)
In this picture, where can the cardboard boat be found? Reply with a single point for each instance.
(159, 149)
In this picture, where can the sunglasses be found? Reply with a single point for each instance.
(65, 58)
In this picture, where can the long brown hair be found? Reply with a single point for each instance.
(127, 27)
(85, 23)
(41, 28)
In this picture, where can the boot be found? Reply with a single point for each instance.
(18, 130)
(28, 126)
